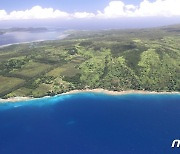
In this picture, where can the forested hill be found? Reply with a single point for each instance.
(139, 59)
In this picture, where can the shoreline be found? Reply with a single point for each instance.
(7, 45)
(100, 91)
(60, 37)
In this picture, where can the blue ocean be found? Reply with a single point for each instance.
(91, 123)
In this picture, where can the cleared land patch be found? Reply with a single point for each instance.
(41, 90)
(69, 69)
(22, 92)
(32, 69)
(65, 70)
(7, 83)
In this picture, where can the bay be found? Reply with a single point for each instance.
(21, 37)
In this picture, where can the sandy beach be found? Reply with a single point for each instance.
(7, 45)
(119, 92)
(104, 91)
(15, 99)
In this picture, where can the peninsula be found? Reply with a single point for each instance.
(116, 60)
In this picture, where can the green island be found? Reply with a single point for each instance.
(115, 60)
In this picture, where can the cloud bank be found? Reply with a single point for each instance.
(167, 8)
(115, 9)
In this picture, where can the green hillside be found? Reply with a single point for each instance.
(139, 59)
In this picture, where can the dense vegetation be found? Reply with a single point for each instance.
(143, 59)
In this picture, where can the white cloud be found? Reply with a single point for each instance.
(3, 14)
(144, 9)
(37, 12)
(83, 15)
(115, 9)
(159, 8)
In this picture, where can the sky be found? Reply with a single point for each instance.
(65, 5)
(85, 9)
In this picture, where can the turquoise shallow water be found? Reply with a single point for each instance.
(89, 123)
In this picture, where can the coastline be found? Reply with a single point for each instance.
(60, 37)
(7, 45)
(100, 91)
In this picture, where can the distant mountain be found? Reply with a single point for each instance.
(1, 33)
(172, 28)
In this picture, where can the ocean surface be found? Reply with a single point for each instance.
(20, 37)
(89, 123)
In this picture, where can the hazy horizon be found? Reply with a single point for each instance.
(93, 24)
(90, 15)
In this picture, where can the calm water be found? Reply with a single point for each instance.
(19, 37)
(88, 123)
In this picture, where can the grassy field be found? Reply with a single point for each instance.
(42, 90)
(69, 69)
(55, 72)
(7, 83)
(22, 92)
(32, 69)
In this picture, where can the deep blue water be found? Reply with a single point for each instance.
(88, 123)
